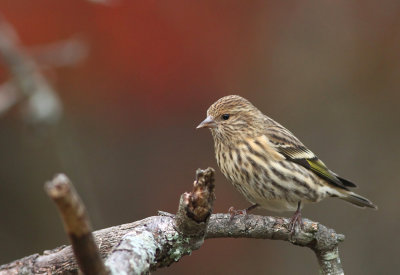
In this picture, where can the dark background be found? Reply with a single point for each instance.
(327, 70)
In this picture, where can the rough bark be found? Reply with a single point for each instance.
(162, 240)
(322, 240)
(158, 241)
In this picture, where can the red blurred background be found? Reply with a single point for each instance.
(328, 70)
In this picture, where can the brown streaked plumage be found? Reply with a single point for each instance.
(267, 163)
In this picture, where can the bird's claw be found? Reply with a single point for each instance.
(295, 222)
(233, 212)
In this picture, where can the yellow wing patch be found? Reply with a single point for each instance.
(320, 169)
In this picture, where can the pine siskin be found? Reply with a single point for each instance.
(268, 164)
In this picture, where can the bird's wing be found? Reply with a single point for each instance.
(293, 150)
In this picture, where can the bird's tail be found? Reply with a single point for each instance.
(358, 200)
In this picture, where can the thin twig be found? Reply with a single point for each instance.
(43, 104)
(9, 96)
(61, 53)
(76, 224)
(321, 239)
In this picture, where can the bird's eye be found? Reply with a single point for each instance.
(225, 116)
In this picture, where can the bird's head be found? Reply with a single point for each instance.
(232, 118)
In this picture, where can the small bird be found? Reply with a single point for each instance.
(267, 164)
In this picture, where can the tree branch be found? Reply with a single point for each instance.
(165, 239)
(158, 241)
(322, 240)
(76, 224)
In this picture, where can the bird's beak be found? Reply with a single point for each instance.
(207, 123)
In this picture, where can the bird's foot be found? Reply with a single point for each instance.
(233, 212)
(245, 212)
(295, 223)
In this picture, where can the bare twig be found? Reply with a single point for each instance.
(322, 240)
(105, 2)
(9, 96)
(43, 104)
(195, 208)
(62, 53)
(158, 244)
(76, 224)
(161, 240)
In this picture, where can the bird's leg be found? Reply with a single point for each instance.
(234, 212)
(296, 219)
(250, 208)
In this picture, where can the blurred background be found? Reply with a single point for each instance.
(110, 93)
